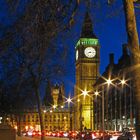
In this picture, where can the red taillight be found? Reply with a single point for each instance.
(83, 135)
(73, 134)
(49, 133)
(34, 133)
(53, 134)
(97, 134)
(93, 136)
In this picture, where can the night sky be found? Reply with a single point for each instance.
(108, 26)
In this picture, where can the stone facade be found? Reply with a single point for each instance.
(56, 116)
(87, 72)
(54, 119)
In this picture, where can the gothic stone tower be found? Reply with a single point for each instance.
(87, 72)
(57, 92)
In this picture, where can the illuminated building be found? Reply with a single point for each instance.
(54, 120)
(57, 118)
(87, 72)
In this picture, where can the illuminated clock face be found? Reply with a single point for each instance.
(90, 52)
(77, 54)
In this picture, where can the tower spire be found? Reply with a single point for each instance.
(87, 28)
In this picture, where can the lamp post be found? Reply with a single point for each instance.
(69, 100)
(125, 104)
(103, 115)
(81, 118)
(70, 118)
(108, 83)
(95, 111)
(116, 121)
(131, 110)
(96, 93)
(123, 82)
(84, 93)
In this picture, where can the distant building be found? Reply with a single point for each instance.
(58, 94)
(54, 95)
(56, 116)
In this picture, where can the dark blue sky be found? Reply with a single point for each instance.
(108, 26)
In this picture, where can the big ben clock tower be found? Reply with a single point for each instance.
(87, 72)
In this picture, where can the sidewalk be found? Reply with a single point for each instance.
(38, 138)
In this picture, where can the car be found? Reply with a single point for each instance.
(36, 133)
(81, 135)
(72, 134)
(115, 135)
(93, 135)
(65, 134)
(24, 132)
(53, 134)
(101, 136)
(88, 136)
(59, 134)
(126, 136)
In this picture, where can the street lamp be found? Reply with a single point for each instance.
(54, 106)
(103, 115)
(69, 100)
(85, 93)
(95, 102)
(82, 104)
(125, 85)
(62, 106)
(108, 81)
(131, 110)
(78, 100)
(123, 82)
(96, 93)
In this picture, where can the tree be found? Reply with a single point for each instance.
(133, 42)
(16, 90)
(34, 30)
(5, 101)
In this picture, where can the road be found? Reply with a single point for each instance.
(38, 138)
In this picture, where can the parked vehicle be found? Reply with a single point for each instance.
(126, 136)
(115, 135)
(98, 135)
